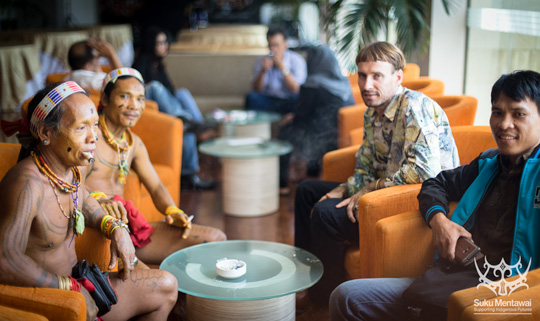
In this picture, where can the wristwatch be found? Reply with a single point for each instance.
(285, 71)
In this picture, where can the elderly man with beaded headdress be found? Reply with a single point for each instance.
(118, 151)
(46, 204)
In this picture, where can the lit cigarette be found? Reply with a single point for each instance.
(89, 156)
(187, 226)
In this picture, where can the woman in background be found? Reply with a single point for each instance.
(312, 127)
(175, 102)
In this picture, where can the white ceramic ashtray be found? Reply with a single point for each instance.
(230, 268)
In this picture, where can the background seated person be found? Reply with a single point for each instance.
(45, 203)
(407, 139)
(277, 77)
(493, 184)
(178, 103)
(83, 58)
(312, 127)
(118, 151)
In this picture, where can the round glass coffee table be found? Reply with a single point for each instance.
(244, 123)
(250, 173)
(275, 272)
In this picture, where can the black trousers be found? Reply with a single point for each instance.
(325, 231)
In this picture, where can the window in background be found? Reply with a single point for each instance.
(502, 36)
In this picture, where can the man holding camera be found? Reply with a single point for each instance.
(498, 212)
(277, 77)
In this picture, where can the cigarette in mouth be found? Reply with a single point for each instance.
(88, 156)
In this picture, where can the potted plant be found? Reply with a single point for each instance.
(351, 24)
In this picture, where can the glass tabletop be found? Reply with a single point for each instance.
(273, 270)
(242, 117)
(244, 147)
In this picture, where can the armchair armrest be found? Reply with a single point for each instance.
(403, 246)
(7, 313)
(461, 303)
(339, 164)
(54, 304)
(375, 206)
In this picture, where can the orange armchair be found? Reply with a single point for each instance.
(338, 165)
(349, 118)
(40, 303)
(162, 135)
(404, 246)
(428, 86)
(460, 110)
(411, 71)
(55, 304)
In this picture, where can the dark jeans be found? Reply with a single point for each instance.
(261, 102)
(327, 234)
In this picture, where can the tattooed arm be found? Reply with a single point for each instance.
(21, 200)
(149, 178)
(121, 244)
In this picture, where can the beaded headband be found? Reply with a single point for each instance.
(113, 75)
(50, 101)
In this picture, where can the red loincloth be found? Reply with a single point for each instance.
(140, 230)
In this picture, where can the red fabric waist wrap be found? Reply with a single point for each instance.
(140, 230)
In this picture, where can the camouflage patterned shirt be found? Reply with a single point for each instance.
(410, 143)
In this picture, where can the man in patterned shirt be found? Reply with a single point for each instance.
(407, 139)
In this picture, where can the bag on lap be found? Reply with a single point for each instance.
(103, 294)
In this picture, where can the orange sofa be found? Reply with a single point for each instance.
(338, 165)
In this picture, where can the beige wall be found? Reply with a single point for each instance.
(215, 80)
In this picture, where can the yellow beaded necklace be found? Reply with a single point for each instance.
(123, 151)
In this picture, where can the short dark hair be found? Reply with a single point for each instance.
(518, 85)
(79, 54)
(275, 31)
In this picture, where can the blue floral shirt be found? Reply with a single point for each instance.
(410, 143)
